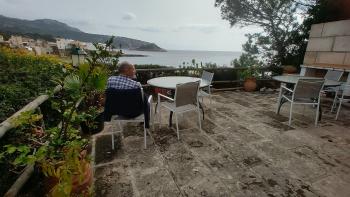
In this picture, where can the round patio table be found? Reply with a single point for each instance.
(171, 82)
(293, 79)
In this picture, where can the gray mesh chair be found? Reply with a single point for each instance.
(306, 92)
(342, 95)
(205, 91)
(140, 118)
(185, 100)
(333, 75)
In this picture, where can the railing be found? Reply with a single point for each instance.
(221, 75)
(7, 125)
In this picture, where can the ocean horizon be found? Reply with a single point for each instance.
(176, 58)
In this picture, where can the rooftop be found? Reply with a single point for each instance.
(244, 149)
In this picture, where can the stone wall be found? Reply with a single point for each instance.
(329, 45)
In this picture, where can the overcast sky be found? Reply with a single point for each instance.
(172, 24)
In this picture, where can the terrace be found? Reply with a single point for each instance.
(244, 149)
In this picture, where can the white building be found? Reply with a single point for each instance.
(16, 41)
(1, 38)
(89, 46)
(62, 43)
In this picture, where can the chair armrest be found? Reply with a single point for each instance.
(149, 99)
(161, 95)
(284, 87)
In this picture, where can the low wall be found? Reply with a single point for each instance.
(329, 46)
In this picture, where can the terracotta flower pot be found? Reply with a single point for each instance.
(80, 187)
(289, 69)
(250, 84)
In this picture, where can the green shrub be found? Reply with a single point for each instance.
(24, 76)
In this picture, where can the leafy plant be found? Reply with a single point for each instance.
(59, 152)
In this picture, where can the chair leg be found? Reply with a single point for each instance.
(290, 114)
(199, 119)
(159, 116)
(279, 99)
(177, 126)
(317, 113)
(334, 101)
(112, 141)
(336, 117)
(145, 134)
(210, 99)
(120, 126)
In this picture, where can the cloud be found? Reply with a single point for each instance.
(128, 16)
(138, 28)
(204, 28)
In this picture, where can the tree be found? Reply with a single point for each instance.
(277, 18)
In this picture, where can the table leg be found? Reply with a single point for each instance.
(201, 107)
(170, 118)
(279, 100)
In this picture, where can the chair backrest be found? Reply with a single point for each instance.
(302, 71)
(186, 93)
(128, 102)
(348, 80)
(334, 75)
(308, 88)
(346, 91)
(207, 76)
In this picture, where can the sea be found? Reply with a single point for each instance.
(176, 58)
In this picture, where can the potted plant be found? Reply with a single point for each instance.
(103, 63)
(289, 69)
(249, 75)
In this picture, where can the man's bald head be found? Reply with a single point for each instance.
(127, 69)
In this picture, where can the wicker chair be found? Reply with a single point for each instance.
(306, 92)
(185, 100)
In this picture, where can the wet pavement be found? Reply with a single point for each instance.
(244, 149)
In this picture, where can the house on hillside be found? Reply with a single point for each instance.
(1, 38)
(89, 46)
(16, 41)
(63, 46)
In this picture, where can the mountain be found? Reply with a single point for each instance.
(59, 29)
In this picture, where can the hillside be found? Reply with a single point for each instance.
(149, 47)
(59, 29)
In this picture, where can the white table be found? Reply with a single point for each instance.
(293, 79)
(171, 82)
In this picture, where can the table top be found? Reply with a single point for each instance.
(293, 79)
(171, 81)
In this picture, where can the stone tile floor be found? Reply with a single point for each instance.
(244, 149)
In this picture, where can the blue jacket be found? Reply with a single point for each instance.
(127, 103)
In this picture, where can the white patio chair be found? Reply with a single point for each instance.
(205, 91)
(338, 92)
(302, 71)
(342, 95)
(185, 100)
(140, 118)
(333, 75)
(306, 92)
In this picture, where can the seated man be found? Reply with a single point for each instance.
(125, 80)
(123, 95)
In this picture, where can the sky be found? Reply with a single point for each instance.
(171, 24)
